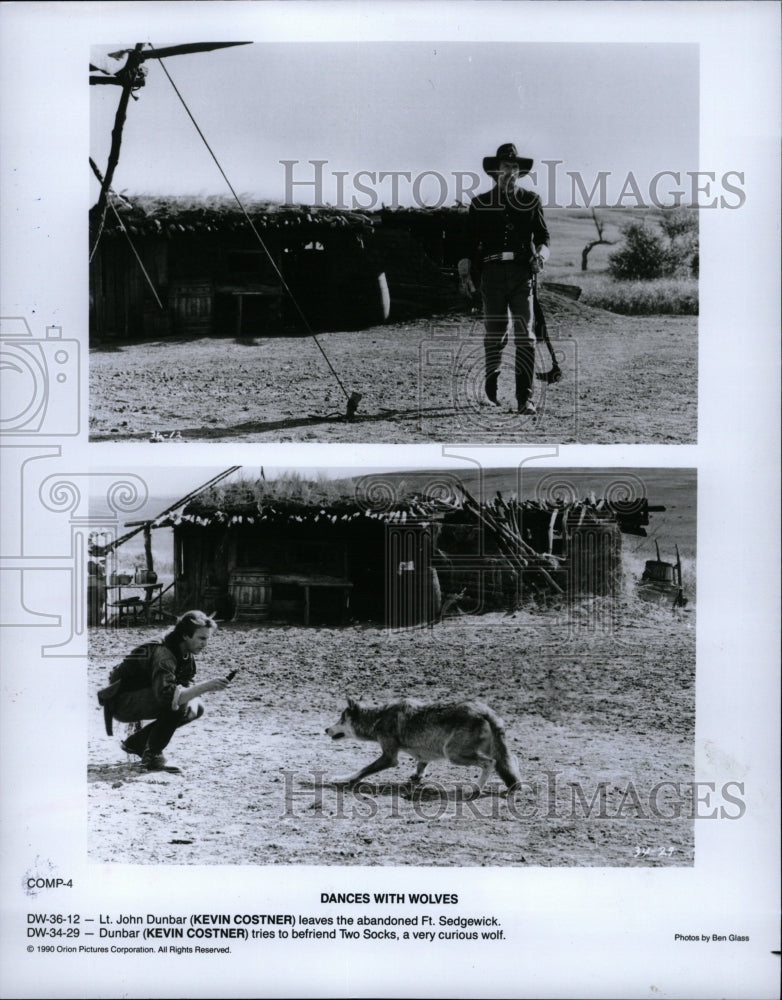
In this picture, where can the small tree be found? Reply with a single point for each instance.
(680, 224)
(644, 255)
(600, 240)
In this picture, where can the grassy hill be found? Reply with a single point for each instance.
(572, 229)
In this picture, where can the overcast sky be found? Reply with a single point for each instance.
(400, 106)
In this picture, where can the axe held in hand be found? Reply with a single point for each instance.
(554, 374)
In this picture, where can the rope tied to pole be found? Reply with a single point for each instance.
(354, 398)
(122, 226)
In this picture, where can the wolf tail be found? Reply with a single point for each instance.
(505, 762)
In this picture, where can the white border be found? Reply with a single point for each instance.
(572, 932)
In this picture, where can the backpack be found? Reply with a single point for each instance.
(133, 673)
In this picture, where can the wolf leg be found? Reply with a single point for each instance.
(508, 769)
(483, 777)
(383, 761)
(505, 762)
(421, 766)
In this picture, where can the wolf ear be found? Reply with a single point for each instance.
(352, 703)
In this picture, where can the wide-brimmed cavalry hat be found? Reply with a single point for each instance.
(507, 152)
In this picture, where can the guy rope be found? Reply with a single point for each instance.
(131, 77)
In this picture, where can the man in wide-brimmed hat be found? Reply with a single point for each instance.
(509, 242)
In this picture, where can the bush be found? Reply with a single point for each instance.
(645, 255)
(680, 225)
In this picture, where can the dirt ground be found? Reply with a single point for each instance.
(627, 379)
(609, 710)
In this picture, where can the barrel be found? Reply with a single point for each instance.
(660, 572)
(251, 592)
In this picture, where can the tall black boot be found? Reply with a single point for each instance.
(491, 387)
(136, 743)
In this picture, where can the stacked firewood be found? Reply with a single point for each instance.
(503, 522)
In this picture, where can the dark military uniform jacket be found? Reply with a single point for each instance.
(498, 225)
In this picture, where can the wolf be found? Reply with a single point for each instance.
(463, 732)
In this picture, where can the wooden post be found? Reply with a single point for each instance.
(129, 72)
(150, 593)
(148, 545)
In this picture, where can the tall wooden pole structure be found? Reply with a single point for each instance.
(130, 78)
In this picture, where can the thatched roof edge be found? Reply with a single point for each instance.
(158, 216)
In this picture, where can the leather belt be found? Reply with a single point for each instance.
(506, 256)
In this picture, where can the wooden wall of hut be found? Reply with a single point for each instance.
(335, 281)
(203, 558)
(594, 563)
(412, 586)
(389, 571)
(442, 233)
(418, 287)
(122, 304)
(223, 283)
(470, 563)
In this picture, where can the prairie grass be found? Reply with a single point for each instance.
(669, 296)
(249, 495)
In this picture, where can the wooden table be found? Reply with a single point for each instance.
(240, 292)
(309, 581)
